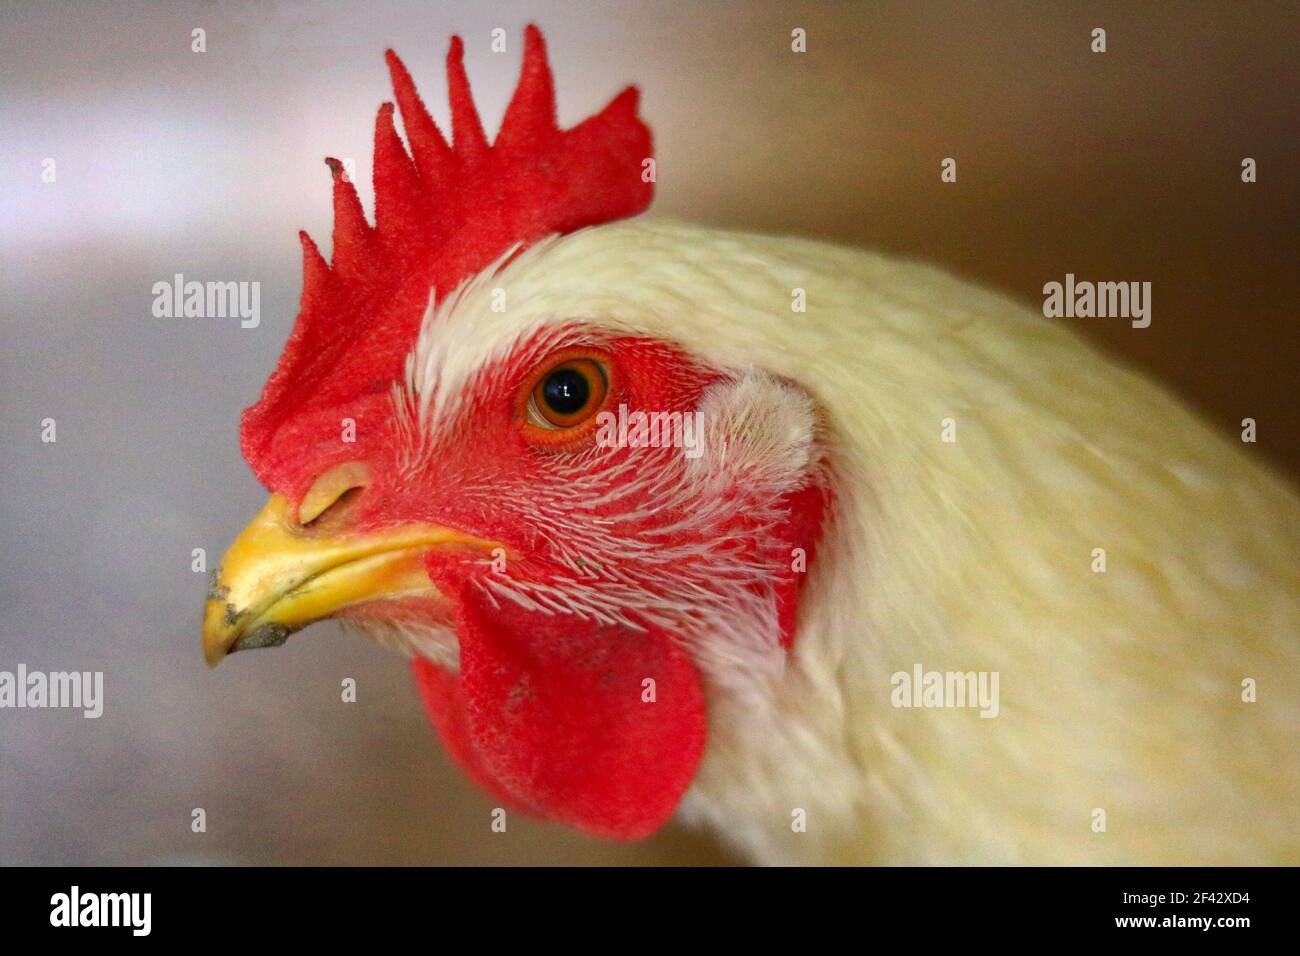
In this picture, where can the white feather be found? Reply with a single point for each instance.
(1120, 691)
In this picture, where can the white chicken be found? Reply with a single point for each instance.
(939, 584)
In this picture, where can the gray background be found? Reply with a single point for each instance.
(1120, 166)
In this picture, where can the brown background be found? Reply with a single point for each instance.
(1122, 166)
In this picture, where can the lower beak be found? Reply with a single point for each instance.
(277, 577)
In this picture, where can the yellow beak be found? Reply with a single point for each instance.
(278, 577)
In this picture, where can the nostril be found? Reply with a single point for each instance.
(332, 496)
(335, 513)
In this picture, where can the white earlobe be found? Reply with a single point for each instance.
(758, 430)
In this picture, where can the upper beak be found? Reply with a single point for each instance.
(279, 577)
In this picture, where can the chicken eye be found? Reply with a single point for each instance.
(568, 394)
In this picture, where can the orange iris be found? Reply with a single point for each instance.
(568, 394)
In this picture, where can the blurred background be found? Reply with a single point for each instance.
(1117, 166)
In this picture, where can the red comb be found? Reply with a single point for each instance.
(442, 213)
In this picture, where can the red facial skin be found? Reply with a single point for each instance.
(549, 711)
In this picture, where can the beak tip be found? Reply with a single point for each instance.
(216, 640)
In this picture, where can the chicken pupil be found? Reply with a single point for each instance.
(566, 391)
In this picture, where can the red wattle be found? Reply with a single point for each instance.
(550, 711)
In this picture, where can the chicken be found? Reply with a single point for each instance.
(659, 543)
